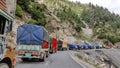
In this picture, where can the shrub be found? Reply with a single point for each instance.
(35, 9)
(19, 11)
(31, 21)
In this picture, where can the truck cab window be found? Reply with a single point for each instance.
(2, 24)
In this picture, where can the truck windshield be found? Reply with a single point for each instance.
(2, 24)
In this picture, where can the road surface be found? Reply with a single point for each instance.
(61, 59)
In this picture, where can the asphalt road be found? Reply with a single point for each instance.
(61, 59)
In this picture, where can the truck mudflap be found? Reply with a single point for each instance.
(14, 61)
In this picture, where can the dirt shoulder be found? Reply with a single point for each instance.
(100, 58)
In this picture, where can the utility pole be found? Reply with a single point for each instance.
(57, 33)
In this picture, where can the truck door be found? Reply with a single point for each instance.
(2, 24)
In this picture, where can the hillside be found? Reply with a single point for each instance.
(71, 18)
(105, 24)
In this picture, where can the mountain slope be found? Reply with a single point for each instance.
(105, 24)
(75, 16)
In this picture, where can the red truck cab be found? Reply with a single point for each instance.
(53, 47)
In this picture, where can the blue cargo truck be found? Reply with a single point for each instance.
(32, 42)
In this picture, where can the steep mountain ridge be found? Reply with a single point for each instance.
(103, 23)
(73, 19)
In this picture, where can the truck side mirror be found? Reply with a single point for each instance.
(9, 26)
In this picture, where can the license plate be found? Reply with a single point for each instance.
(27, 55)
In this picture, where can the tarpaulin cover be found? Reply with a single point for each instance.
(31, 34)
(60, 42)
(72, 45)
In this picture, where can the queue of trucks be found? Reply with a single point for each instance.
(33, 42)
(83, 46)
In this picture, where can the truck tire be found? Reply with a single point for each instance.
(47, 54)
(42, 60)
(4, 65)
(43, 57)
(62, 49)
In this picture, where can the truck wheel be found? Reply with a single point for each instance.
(55, 51)
(62, 49)
(43, 59)
(4, 65)
(66, 49)
(47, 54)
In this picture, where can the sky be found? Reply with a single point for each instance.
(112, 5)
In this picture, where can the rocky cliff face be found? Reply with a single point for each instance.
(65, 31)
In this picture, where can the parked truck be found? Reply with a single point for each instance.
(7, 51)
(59, 45)
(53, 47)
(32, 42)
(64, 45)
(72, 46)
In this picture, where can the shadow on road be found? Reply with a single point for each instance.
(30, 61)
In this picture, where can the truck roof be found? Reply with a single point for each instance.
(6, 15)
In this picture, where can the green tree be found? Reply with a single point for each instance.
(35, 9)
(19, 11)
(32, 21)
